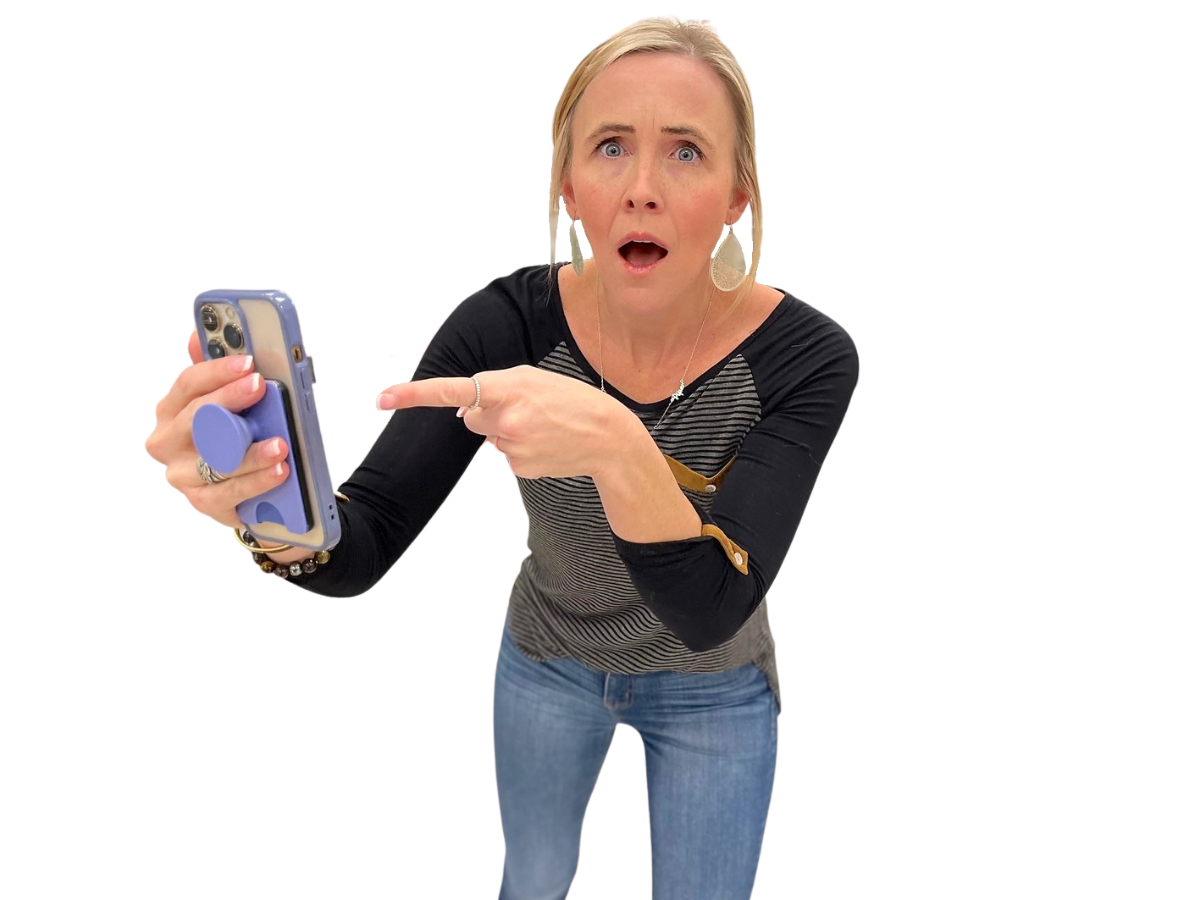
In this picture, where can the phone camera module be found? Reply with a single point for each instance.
(215, 349)
(233, 337)
(208, 316)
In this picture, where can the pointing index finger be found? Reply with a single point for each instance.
(428, 392)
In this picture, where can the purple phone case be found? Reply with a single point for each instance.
(303, 405)
(222, 438)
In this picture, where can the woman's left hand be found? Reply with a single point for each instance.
(547, 425)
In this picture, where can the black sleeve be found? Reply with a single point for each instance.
(422, 452)
(692, 585)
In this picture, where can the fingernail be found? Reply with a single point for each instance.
(241, 363)
(275, 447)
(278, 470)
(462, 411)
(250, 385)
(385, 401)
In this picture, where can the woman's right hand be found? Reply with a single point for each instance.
(232, 383)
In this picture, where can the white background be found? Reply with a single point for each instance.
(987, 633)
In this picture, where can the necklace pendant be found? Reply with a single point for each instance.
(678, 395)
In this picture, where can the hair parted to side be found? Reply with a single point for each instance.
(665, 35)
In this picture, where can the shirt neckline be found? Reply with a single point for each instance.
(689, 388)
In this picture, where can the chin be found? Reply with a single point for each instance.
(645, 294)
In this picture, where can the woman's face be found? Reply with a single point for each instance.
(651, 174)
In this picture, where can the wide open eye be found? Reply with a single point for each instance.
(611, 149)
(688, 153)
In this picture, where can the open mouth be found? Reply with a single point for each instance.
(642, 253)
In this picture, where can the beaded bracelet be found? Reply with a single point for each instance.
(283, 570)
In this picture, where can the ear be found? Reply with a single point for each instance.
(737, 205)
(567, 190)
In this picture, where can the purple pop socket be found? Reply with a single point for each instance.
(222, 438)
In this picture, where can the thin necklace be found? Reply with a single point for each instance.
(682, 381)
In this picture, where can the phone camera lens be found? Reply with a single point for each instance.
(233, 337)
(208, 316)
(215, 349)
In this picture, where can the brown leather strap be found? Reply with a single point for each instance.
(693, 480)
(739, 557)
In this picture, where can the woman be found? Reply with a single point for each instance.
(666, 416)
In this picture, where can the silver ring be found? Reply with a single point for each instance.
(206, 472)
(477, 395)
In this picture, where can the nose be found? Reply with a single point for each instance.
(644, 190)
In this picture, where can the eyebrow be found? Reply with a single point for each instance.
(686, 130)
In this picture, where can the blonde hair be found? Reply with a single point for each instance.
(692, 39)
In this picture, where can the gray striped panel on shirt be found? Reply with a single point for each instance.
(573, 596)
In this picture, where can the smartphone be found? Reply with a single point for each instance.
(264, 325)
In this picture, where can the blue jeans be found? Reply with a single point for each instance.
(710, 763)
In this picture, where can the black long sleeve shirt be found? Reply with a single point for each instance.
(746, 442)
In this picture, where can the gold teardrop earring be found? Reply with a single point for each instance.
(729, 264)
(576, 253)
